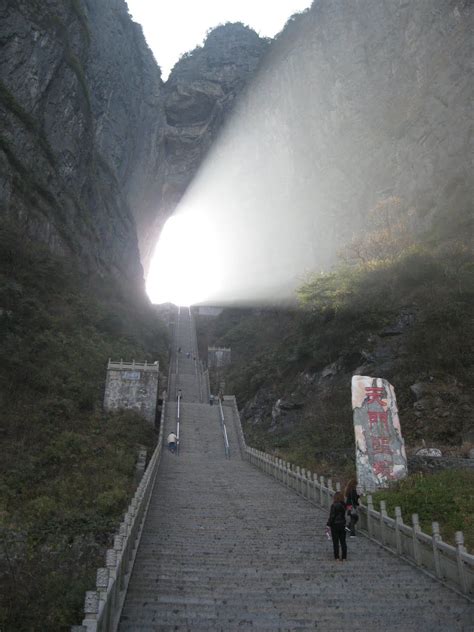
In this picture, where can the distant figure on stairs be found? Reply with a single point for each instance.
(211, 399)
(337, 524)
(352, 502)
(172, 442)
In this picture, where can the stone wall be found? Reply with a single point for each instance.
(132, 388)
(218, 357)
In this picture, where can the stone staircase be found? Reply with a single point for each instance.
(227, 548)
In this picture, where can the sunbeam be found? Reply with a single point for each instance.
(186, 267)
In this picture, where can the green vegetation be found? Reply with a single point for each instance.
(67, 468)
(447, 498)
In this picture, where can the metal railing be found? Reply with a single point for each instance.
(103, 606)
(178, 413)
(224, 430)
(451, 565)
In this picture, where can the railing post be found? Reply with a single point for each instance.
(111, 562)
(91, 610)
(370, 508)
(460, 549)
(416, 544)
(398, 535)
(102, 583)
(315, 487)
(330, 492)
(383, 515)
(338, 486)
(321, 492)
(308, 485)
(435, 538)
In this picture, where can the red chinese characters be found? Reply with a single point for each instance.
(376, 417)
(383, 468)
(379, 448)
(375, 394)
(381, 445)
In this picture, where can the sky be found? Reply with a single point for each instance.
(175, 27)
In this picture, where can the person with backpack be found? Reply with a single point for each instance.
(172, 442)
(337, 524)
(352, 503)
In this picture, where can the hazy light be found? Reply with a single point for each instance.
(316, 142)
(186, 267)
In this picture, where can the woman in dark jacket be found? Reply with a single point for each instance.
(352, 503)
(337, 524)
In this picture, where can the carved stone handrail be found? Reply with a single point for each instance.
(103, 606)
(451, 565)
(134, 366)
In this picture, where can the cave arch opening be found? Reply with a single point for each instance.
(186, 268)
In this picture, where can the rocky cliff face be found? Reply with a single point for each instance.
(95, 149)
(82, 120)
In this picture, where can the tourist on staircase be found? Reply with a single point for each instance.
(172, 442)
(352, 502)
(337, 524)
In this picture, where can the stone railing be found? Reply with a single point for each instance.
(451, 565)
(133, 366)
(102, 606)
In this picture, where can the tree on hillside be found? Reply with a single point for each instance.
(389, 232)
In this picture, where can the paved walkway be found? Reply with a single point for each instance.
(227, 548)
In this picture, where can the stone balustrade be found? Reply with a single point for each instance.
(102, 606)
(451, 565)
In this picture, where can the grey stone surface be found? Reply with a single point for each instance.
(227, 548)
(127, 389)
(433, 452)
